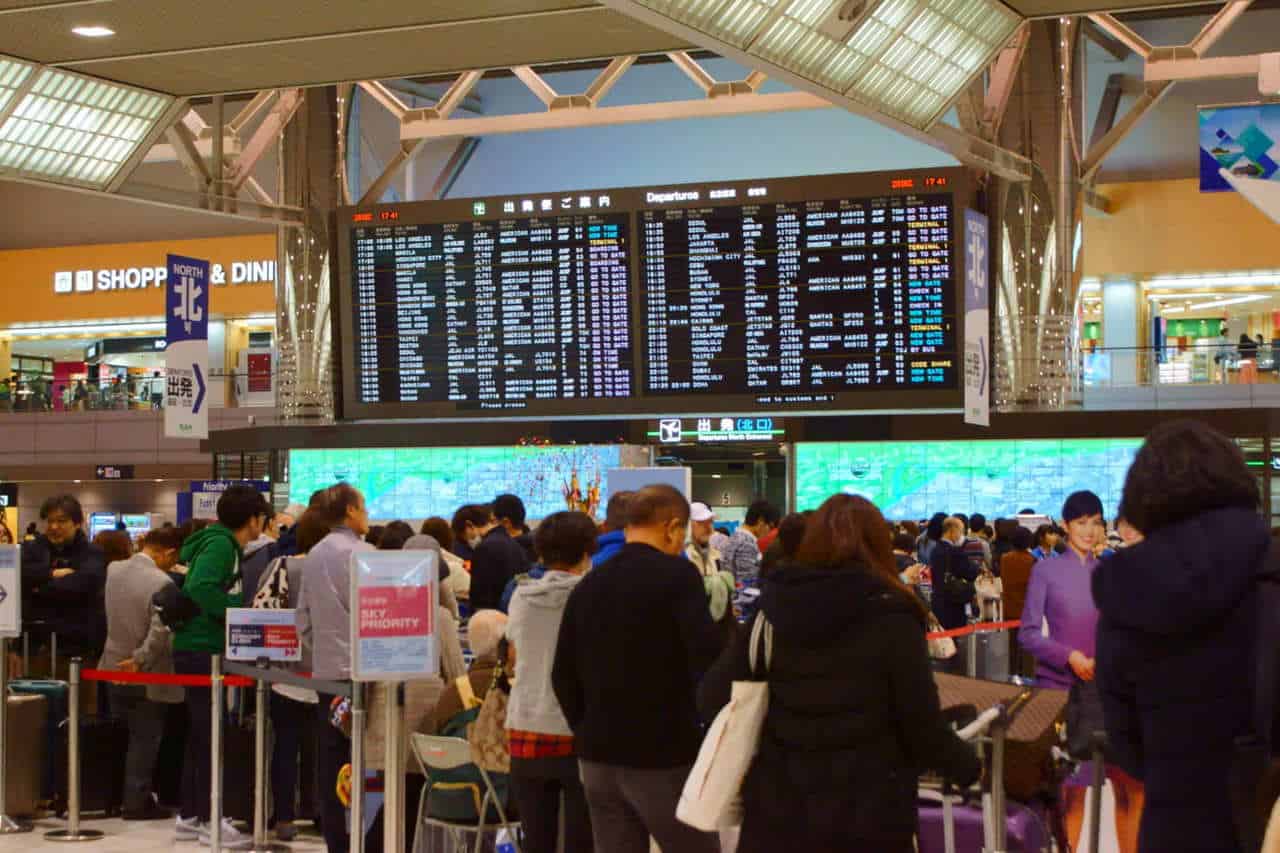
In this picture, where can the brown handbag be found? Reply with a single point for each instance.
(488, 734)
(1028, 763)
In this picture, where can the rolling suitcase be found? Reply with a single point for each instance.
(24, 754)
(55, 695)
(1027, 830)
(104, 743)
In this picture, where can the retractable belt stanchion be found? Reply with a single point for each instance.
(393, 790)
(8, 826)
(73, 832)
(260, 842)
(215, 755)
(357, 767)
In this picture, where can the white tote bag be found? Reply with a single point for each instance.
(711, 796)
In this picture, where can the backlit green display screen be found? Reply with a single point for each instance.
(915, 479)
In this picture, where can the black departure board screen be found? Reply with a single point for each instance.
(822, 294)
(799, 299)
(493, 316)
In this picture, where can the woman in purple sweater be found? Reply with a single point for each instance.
(1061, 595)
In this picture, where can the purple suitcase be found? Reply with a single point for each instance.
(1028, 831)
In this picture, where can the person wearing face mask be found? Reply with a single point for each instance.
(137, 641)
(635, 638)
(470, 524)
(496, 555)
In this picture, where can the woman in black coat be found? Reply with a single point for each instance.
(853, 711)
(1176, 633)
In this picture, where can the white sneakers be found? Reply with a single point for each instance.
(194, 830)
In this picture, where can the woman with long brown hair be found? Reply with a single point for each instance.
(853, 712)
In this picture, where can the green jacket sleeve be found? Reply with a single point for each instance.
(211, 573)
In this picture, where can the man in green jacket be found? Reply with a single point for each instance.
(213, 582)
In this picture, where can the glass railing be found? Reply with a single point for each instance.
(41, 395)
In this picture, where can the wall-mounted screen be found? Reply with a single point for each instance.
(412, 483)
(914, 479)
(822, 294)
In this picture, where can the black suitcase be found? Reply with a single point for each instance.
(238, 771)
(104, 743)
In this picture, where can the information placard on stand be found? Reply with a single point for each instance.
(256, 634)
(393, 615)
(10, 593)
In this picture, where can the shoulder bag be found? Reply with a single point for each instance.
(711, 798)
(488, 734)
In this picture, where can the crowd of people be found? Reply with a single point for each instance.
(617, 643)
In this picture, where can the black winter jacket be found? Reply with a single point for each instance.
(497, 560)
(949, 558)
(853, 715)
(1175, 656)
(72, 605)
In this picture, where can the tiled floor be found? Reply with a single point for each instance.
(121, 837)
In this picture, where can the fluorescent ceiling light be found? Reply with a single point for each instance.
(907, 59)
(84, 329)
(1222, 303)
(69, 128)
(94, 32)
(1190, 282)
(1090, 285)
(1174, 310)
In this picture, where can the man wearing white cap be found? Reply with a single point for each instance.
(700, 552)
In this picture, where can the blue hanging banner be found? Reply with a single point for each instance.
(186, 405)
(977, 321)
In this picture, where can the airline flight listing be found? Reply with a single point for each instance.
(493, 314)
(799, 301)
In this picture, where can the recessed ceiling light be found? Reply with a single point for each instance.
(94, 32)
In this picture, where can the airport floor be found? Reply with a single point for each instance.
(122, 837)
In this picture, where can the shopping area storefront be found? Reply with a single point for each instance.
(1181, 287)
(82, 327)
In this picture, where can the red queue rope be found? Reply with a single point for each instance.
(973, 629)
(120, 677)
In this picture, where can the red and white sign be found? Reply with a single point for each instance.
(394, 600)
(255, 635)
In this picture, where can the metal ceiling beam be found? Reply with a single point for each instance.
(1002, 77)
(1215, 68)
(1218, 25)
(1099, 151)
(266, 134)
(1108, 108)
(693, 70)
(406, 152)
(384, 96)
(1121, 32)
(1118, 51)
(534, 83)
(183, 144)
(607, 79)
(249, 110)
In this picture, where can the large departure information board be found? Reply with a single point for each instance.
(824, 294)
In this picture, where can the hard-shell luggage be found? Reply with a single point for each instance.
(25, 745)
(1027, 829)
(104, 743)
(55, 695)
(1028, 765)
(991, 655)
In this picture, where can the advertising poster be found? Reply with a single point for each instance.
(186, 359)
(10, 591)
(393, 609)
(254, 635)
(1240, 139)
(977, 322)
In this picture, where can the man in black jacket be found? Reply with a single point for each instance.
(63, 576)
(635, 639)
(496, 560)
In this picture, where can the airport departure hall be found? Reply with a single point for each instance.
(695, 426)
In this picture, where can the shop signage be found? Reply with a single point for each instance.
(114, 472)
(254, 635)
(10, 591)
(135, 278)
(393, 598)
(717, 430)
(977, 322)
(186, 413)
(259, 372)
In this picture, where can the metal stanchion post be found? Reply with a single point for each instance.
(260, 843)
(357, 767)
(26, 654)
(393, 788)
(971, 652)
(215, 755)
(8, 826)
(999, 829)
(73, 832)
(53, 654)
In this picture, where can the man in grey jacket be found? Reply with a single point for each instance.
(137, 641)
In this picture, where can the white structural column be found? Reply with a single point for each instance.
(310, 180)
